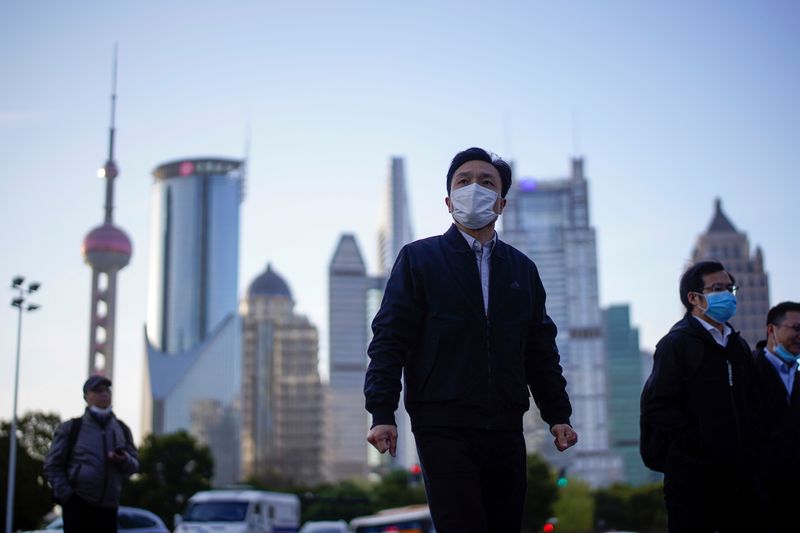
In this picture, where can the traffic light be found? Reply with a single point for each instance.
(415, 475)
(550, 525)
(562, 481)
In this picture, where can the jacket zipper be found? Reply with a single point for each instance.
(489, 372)
(105, 467)
(735, 412)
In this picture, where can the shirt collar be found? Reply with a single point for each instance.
(779, 363)
(726, 329)
(472, 240)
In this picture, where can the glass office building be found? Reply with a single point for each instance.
(192, 376)
(548, 220)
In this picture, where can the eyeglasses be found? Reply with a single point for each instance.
(795, 327)
(719, 287)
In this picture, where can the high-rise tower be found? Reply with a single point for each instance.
(193, 333)
(548, 220)
(724, 243)
(107, 249)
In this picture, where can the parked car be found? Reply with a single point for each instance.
(239, 511)
(129, 520)
(339, 526)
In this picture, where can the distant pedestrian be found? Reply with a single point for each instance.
(463, 320)
(88, 461)
(779, 417)
(698, 407)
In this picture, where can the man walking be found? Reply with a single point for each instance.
(463, 320)
(88, 460)
(779, 416)
(699, 400)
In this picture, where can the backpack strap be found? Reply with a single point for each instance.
(126, 430)
(72, 438)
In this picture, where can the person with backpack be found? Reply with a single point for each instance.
(698, 411)
(88, 460)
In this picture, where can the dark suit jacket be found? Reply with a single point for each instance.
(779, 424)
(463, 368)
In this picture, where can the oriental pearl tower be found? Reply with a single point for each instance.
(107, 250)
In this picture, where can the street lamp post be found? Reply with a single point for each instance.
(19, 303)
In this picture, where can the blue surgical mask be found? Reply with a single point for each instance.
(721, 306)
(785, 355)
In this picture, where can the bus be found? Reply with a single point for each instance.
(409, 519)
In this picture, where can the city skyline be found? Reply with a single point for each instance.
(671, 106)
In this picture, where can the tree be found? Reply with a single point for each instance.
(32, 495)
(541, 495)
(394, 490)
(635, 508)
(172, 468)
(343, 501)
(575, 508)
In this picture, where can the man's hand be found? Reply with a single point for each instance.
(565, 436)
(118, 456)
(384, 437)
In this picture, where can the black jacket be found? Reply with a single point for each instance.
(700, 396)
(779, 423)
(463, 368)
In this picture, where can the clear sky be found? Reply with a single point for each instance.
(671, 104)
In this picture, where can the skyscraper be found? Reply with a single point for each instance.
(548, 220)
(353, 301)
(192, 337)
(625, 382)
(107, 249)
(348, 284)
(282, 403)
(724, 243)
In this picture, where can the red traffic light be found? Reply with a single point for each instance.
(415, 469)
(549, 528)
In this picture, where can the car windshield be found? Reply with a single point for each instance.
(216, 511)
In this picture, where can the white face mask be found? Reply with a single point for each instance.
(99, 410)
(473, 206)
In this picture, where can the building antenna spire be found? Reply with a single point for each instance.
(576, 133)
(109, 170)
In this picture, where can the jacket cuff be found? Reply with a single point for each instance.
(383, 417)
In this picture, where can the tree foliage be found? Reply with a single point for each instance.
(342, 501)
(634, 508)
(172, 468)
(541, 495)
(32, 495)
(575, 508)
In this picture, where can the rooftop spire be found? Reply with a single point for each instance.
(720, 223)
(109, 170)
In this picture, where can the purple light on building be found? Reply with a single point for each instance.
(527, 185)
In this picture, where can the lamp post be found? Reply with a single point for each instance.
(19, 303)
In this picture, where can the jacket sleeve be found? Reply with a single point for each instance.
(55, 467)
(543, 363)
(131, 465)
(664, 393)
(395, 330)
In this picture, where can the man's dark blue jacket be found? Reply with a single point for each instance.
(463, 368)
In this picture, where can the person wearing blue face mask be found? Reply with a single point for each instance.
(779, 418)
(698, 411)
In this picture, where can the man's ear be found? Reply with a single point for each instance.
(449, 204)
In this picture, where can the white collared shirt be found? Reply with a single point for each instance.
(786, 371)
(720, 337)
(483, 255)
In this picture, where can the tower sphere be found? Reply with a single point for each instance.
(106, 247)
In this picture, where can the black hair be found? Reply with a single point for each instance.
(778, 313)
(479, 154)
(692, 279)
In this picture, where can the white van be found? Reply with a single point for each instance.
(240, 511)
